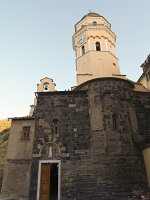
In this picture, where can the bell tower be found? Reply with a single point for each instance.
(94, 44)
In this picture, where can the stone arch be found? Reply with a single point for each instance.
(53, 149)
(46, 87)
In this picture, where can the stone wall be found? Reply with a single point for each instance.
(18, 163)
(17, 179)
(3, 150)
(96, 131)
(118, 164)
(142, 107)
(70, 111)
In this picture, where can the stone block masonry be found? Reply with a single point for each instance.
(100, 158)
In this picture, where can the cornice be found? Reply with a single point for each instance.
(93, 26)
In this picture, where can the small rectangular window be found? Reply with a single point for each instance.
(25, 132)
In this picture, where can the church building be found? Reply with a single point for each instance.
(89, 143)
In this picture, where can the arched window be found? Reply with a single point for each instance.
(114, 122)
(46, 87)
(83, 50)
(98, 46)
(94, 22)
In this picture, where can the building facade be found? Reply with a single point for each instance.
(145, 77)
(88, 143)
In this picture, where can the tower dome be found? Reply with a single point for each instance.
(93, 14)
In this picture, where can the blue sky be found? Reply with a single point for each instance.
(36, 41)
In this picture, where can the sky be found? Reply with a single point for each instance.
(36, 42)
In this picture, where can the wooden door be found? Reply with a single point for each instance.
(45, 181)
